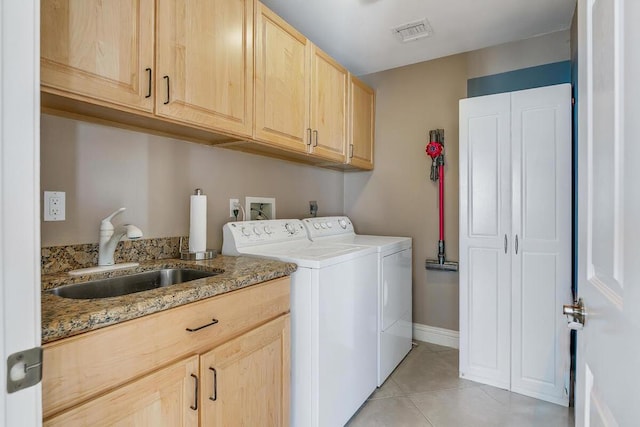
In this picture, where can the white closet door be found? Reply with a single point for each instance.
(485, 214)
(541, 223)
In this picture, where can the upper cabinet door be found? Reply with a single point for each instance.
(100, 50)
(362, 112)
(281, 83)
(329, 96)
(205, 63)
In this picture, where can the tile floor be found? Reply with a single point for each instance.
(425, 390)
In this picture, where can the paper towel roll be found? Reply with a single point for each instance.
(198, 223)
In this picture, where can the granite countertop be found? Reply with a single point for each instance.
(64, 317)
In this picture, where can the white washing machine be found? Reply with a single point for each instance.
(333, 317)
(395, 327)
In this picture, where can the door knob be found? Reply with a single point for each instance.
(576, 314)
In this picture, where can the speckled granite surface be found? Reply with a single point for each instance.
(63, 317)
(55, 259)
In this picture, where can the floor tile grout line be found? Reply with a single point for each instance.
(415, 394)
(493, 398)
(421, 413)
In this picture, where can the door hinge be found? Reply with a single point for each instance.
(24, 369)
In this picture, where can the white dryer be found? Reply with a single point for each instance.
(395, 327)
(333, 317)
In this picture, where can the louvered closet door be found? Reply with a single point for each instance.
(485, 214)
(541, 222)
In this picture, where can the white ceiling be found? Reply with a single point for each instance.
(358, 32)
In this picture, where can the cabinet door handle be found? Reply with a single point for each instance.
(213, 322)
(315, 134)
(309, 136)
(505, 243)
(195, 406)
(166, 78)
(516, 244)
(351, 151)
(215, 384)
(148, 70)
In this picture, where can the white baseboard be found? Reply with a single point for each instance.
(433, 335)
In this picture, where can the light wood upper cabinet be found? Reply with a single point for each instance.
(205, 63)
(362, 126)
(281, 82)
(245, 381)
(226, 72)
(301, 92)
(102, 50)
(164, 398)
(329, 96)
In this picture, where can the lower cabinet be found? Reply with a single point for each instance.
(242, 382)
(246, 381)
(237, 374)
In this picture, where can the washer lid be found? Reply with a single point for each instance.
(381, 243)
(309, 254)
(339, 229)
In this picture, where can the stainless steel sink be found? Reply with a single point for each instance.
(124, 285)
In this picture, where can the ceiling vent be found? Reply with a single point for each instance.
(413, 30)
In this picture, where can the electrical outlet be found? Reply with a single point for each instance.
(54, 206)
(233, 204)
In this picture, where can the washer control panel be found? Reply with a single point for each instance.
(328, 226)
(249, 233)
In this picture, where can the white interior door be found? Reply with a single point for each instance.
(19, 200)
(541, 253)
(485, 239)
(608, 357)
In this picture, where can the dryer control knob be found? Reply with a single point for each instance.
(245, 231)
(330, 224)
(267, 229)
(256, 230)
(342, 223)
(290, 228)
(316, 226)
(323, 225)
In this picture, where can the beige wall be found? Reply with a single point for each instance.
(545, 49)
(103, 168)
(397, 197)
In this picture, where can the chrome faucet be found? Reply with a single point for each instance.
(110, 236)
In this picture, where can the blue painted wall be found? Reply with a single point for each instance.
(526, 78)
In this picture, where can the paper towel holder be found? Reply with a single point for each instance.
(196, 256)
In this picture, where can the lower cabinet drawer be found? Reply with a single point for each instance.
(81, 367)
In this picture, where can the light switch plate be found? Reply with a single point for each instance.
(54, 206)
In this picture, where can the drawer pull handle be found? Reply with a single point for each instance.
(195, 406)
(215, 384)
(168, 90)
(213, 322)
(148, 70)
